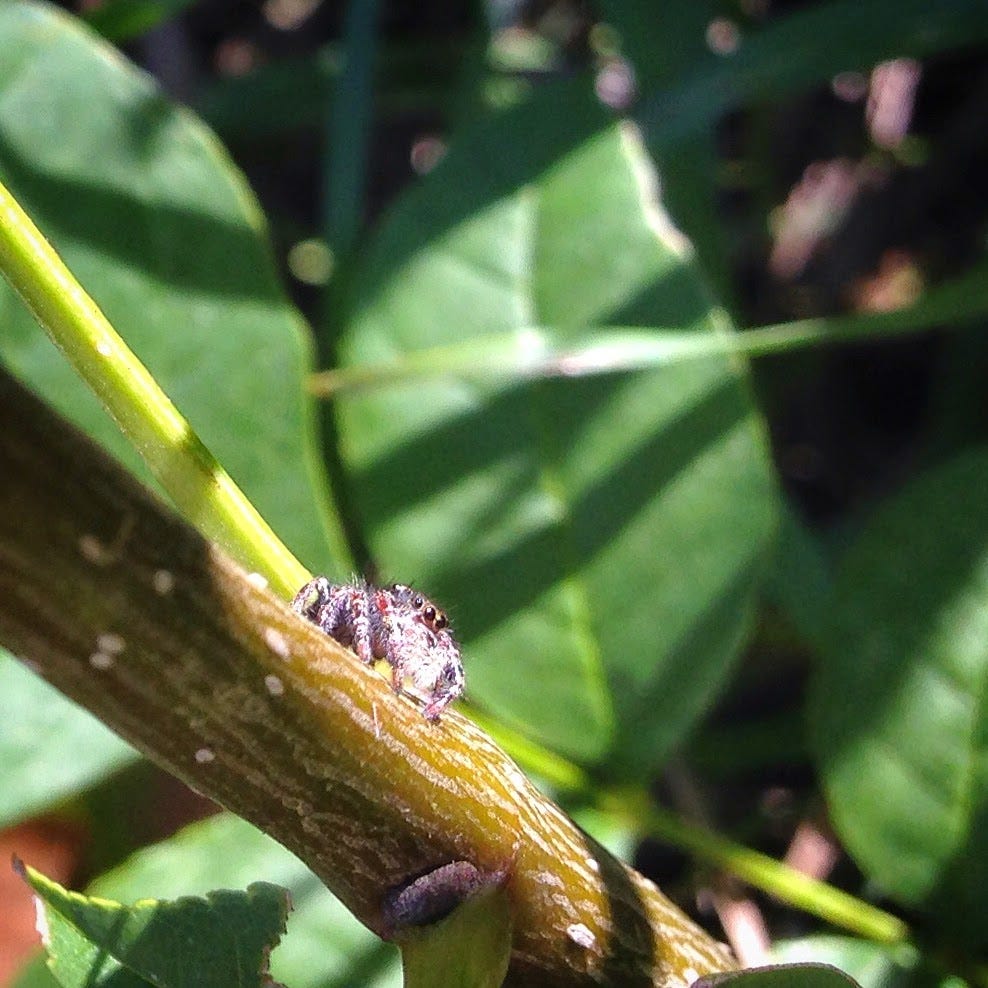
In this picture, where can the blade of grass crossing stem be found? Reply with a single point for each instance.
(199, 486)
(759, 870)
(534, 351)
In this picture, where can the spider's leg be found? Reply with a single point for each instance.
(437, 705)
(381, 622)
(361, 608)
(397, 671)
(312, 598)
(335, 615)
(448, 687)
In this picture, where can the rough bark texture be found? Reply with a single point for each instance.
(128, 611)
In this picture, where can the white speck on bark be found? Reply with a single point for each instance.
(275, 640)
(101, 661)
(163, 582)
(111, 643)
(581, 935)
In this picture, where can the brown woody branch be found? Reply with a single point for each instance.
(131, 613)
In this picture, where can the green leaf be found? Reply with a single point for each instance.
(122, 20)
(596, 540)
(872, 965)
(800, 582)
(35, 974)
(220, 941)
(327, 947)
(49, 747)
(663, 46)
(468, 949)
(830, 37)
(780, 976)
(898, 706)
(152, 217)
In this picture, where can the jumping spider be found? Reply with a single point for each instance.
(394, 623)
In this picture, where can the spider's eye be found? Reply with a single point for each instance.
(417, 601)
(429, 614)
(440, 621)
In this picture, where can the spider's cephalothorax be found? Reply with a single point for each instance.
(397, 624)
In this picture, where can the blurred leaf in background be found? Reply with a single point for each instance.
(897, 703)
(598, 541)
(151, 215)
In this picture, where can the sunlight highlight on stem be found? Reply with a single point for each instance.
(203, 491)
(634, 806)
(553, 769)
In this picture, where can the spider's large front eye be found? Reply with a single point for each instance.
(433, 618)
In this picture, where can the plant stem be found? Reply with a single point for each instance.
(348, 128)
(759, 870)
(537, 351)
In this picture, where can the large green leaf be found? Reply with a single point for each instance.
(597, 539)
(158, 225)
(39, 727)
(663, 43)
(325, 947)
(899, 711)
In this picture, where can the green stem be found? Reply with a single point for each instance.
(539, 351)
(202, 490)
(349, 126)
(759, 870)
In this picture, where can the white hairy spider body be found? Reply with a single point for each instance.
(397, 624)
